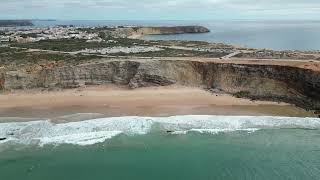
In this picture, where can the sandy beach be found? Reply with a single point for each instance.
(110, 101)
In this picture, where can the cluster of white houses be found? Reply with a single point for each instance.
(34, 35)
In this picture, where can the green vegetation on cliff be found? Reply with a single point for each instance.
(168, 52)
(69, 45)
(72, 45)
(15, 59)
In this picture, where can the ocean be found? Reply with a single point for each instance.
(178, 147)
(276, 35)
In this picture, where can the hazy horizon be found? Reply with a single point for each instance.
(161, 10)
(204, 20)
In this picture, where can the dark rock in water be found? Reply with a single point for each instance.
(317, 113)
(2, 139)
(169, 131)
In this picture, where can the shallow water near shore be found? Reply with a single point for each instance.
(264, 154)
(177, 147)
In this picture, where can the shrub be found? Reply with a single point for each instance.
(242, 94)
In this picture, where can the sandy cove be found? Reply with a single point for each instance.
(110, 101)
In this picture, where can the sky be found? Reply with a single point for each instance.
(160, 9)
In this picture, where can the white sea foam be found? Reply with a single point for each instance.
(99, 130)
(82, 139)
(217, 131)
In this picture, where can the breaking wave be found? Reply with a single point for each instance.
(99, 130)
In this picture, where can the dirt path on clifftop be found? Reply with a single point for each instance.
(304, 64)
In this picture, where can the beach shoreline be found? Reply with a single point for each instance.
(115, 101)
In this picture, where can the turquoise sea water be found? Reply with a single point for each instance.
(277, 35)
(264, 155)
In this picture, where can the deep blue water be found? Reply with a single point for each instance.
(277, 35)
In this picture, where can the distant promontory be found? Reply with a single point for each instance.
(12, 23)
(141, 31)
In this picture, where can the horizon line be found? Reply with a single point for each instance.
(61, 19)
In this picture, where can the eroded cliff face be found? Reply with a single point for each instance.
(266, 82)
(132, 73)
(2, 79)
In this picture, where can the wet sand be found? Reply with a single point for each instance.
(110, 101)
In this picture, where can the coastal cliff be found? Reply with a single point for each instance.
(276, 82)
(140, 31)
(172, 30)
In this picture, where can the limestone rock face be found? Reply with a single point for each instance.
(20, 80)
(132, 73)
(2, 79)
(265, 82)
(162, 73)
(113, 72)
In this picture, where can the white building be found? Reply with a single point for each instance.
(4, 38)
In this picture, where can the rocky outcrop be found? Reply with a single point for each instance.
(173, 30)
(265, 82)
(140, 31)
